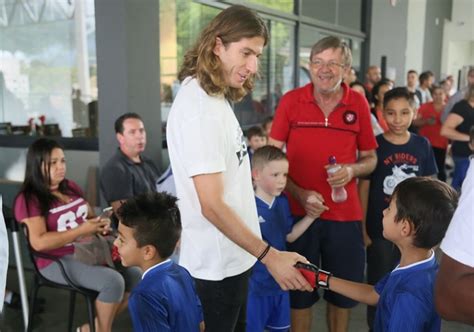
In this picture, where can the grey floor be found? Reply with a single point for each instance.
(54, 317)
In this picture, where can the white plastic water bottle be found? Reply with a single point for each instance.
(338, 194)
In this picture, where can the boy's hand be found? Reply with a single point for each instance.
(316, 277)
(312, 202)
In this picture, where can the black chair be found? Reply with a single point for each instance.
(40, 281)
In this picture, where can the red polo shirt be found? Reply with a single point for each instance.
(311, 139)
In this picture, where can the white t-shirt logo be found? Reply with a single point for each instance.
(241, 146)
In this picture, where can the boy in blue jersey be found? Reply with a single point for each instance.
(268, 306)
(415, 221)
(165, 299)
(400, 155)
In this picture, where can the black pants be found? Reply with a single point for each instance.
(224, 303)
(440, 156)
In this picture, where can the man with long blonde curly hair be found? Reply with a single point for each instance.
(221, 237)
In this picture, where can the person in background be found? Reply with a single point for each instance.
(351, 76)
(423, 90)
(360, 88)
(378, 92)
(256, 138)
(267, 125)
(128, 172)
(412, 84)
(458, 96)
(429, 123)
(372, 77)
(56, 214)
(456, 128)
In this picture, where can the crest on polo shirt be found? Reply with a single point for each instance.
(349, 117)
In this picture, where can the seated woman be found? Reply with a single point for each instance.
(56, 214)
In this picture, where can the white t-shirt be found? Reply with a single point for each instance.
(3, 255)
(458, 242)
(204, 137)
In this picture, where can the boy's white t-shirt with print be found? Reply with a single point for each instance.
(458, 242)
(204, 137)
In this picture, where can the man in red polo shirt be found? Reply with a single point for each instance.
(322, 119)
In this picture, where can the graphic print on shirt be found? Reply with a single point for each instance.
(240, 145)
(68, 220)
(404, 167)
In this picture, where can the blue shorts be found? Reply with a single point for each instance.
(270, 312)
(336, 247)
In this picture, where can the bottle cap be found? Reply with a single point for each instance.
(332, 160)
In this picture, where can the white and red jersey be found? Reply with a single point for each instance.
(62, 217)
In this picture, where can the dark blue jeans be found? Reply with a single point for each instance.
(224, 303)
(461, 164)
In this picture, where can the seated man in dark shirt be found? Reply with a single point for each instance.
(128, 173)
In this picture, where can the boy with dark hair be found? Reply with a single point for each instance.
(416, 220)
(256, 138)
(400, 155)
(165, 299)
(267, 124)
(268, 306)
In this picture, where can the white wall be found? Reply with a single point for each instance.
(458, 38)
(415, 35)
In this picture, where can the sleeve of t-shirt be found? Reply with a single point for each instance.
(204, 145)
(422, 111)
(25, 210)
(430, 166)
(147, 315)
(366, 139)
(281, 122)
(116, 183)
(408, 314)
(459, 109)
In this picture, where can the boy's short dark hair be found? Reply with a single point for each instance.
(255, 131)
(397, 93)
(412, 71)
(118, 126)
(428, 204)
(266, 154)
(424, 76)
(155, 219)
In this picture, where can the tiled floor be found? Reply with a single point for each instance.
(54, 317)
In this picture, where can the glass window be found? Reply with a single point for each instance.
(286, 6)
(349, 14)
(276, 77)
(323, 10)
(308, 37)
(180, 24)
(48, 66)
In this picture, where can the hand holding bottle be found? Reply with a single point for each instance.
(338, 177)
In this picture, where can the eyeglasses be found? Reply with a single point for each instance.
(331, 64)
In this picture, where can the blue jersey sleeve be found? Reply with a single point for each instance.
(409, 313)
(147, 315)
(381, 284)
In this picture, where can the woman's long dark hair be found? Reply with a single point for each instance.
(36, 185)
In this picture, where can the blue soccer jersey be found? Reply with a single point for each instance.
(275, 223)
(406, 299)
(165, 300)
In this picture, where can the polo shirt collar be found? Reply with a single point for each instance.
(124, 157)
(307, 95)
